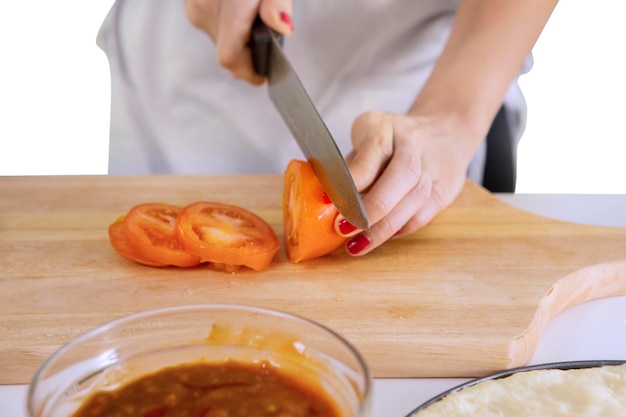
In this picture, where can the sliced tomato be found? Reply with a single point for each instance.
(151, 229)
(308, 215)
(226, 234)
(119, 241)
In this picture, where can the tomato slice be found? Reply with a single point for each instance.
(308, 215)
(226, 234)
(151, 229)
(119, 241)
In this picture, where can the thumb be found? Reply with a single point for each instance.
(277, 14)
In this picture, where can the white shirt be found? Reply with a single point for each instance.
(175, 110)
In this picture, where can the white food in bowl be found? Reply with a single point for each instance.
(598, 391)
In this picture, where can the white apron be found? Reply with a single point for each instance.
(174, 110)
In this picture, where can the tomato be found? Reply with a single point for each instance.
(226, 235)
(308, 215)
(119, 241)
(151, 229)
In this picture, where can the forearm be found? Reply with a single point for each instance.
(488, 45)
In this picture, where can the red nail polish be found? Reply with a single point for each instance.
(345, 227)
(286, 20)
(326, 198)
(357, 244)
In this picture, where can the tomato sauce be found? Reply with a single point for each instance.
(229, 389)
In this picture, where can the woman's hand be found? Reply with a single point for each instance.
(413, 166)
(229, 22)
(409, 168)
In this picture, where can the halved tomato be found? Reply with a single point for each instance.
(151, 229)
(308, 215)
(119, 241)
(226, 235)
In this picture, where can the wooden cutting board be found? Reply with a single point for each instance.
(467, 295)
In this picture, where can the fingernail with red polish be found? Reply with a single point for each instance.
(326, 198)
(286, 20)
(345, 227)
(357, 244)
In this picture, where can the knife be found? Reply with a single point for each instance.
(305, 124)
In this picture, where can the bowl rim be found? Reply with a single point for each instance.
(102, 328)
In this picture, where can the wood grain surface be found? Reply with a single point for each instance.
(466, 296)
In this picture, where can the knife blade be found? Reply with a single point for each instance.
(305, 123)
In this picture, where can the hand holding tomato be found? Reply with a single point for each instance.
(412, 168)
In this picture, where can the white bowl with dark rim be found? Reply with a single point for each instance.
(569, 365)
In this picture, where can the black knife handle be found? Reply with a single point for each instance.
(260, 46)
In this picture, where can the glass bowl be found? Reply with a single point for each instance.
(123, 350)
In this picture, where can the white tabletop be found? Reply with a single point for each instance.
(593, 330)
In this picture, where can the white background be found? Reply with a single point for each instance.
(54, 95)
